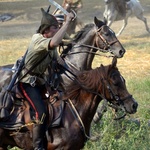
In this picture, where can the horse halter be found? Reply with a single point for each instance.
(105, 42)
(117, 100)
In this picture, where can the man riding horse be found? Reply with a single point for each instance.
(31, 80)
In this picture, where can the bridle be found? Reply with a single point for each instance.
(105, 42)
(107, 45)
(107, 88)
(115, 101)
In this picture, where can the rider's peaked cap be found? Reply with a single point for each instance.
(47, 21)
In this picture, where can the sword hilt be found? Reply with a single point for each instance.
(75, 14)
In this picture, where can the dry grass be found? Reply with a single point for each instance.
(11, 50)
(136, 61)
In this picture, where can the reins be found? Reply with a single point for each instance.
(85, 51)
(76, 114)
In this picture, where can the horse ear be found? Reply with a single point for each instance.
(114, 62)
(113, 65)
(98, 22)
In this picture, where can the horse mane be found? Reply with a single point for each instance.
(83, 32)
(77, 37)
(86, 81)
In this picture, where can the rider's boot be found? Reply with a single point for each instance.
(38, 136)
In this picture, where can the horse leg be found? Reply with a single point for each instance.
(123, 27)
(125, 21)
(109, 22)
(111, 18)
(142, 18)
(100, 112)
(1, 137)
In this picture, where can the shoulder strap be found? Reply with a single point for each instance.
(15, 76)
(34, 66)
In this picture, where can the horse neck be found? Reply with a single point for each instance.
(89, 96)
(87, 109)
(82, 58)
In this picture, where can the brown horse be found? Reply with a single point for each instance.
(79, 106)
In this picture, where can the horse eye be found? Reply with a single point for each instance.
(107, 33)
(115, 79)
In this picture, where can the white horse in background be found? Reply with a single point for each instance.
(121, 10)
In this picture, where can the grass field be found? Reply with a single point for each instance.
(132, 133)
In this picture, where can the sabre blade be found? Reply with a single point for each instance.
(59, 7)
(9, 69)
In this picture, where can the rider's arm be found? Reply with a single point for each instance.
(57, 38)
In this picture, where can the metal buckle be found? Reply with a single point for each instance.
(33, 81)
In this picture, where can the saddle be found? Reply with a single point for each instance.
(19, 114)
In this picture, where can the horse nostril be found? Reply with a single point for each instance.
(121, 52)
(135, 105)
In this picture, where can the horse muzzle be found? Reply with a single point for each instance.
(118, 53)
(131, 107)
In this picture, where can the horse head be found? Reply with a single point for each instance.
(115, 89)
(107, 40)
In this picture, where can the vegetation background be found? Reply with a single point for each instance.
(132, 133)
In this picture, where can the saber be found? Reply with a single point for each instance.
(9, 69)
(59, 7)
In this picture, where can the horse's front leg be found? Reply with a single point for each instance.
(125, 21)
(142, 18)
(111, 17)
(123, 27)
(100, 111)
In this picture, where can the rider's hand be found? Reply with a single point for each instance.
(70, 17)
